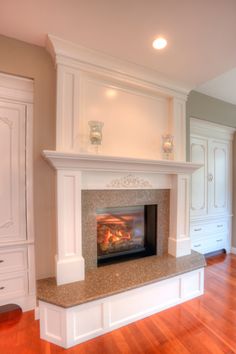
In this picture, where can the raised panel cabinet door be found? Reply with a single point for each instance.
(12, 172)
(218, 176)
(198, 195)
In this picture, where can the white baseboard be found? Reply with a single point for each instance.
(67, 327)
(233, 250)
(36, 313)
(69, 270)
(179, 247)
(27, 303)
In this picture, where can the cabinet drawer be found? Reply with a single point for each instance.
(12, 286)
(13, 259)
(198, 246)
(221, 226)
(208, 229)
(198, 230)
(218, 243)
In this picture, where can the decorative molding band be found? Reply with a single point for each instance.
(16, 88)
(129, 181)
(209, 129)
(68, 53)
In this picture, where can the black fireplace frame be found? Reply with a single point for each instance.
(150, 243)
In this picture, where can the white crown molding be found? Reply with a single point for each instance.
(86, 162)
(67, 53)
(16, 88)
(206, 128)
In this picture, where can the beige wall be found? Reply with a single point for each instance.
(34, 62)
(216, 111)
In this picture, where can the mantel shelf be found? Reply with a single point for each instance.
(89, 162)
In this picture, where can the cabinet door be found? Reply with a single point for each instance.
(12, 172)
(218, 177)
(198, 198)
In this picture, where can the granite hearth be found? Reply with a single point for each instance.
(117, 278)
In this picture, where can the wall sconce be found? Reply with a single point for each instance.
(95, 134)
(167, 146)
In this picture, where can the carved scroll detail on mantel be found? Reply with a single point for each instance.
(129, 181)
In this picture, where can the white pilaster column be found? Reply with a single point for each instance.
(69, 260)
(179, 243)
(67, 126)
(177, 124)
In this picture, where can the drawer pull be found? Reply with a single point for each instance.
(1, 260)
(220, 239)
(199, 229)
(220, 225)
(2, 287)
(199, 245)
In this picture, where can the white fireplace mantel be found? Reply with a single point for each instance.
(71, 168)
(89, 162)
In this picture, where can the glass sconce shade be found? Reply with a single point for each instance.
(95, 134)
(167, 145)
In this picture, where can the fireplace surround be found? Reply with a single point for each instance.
(73, 173)
(92, 200)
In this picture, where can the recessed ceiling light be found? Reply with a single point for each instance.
(111, 93)
(159, 43)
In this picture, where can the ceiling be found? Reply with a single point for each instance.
(201, 34)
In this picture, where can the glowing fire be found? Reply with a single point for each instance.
(119, 231)
(109, 238)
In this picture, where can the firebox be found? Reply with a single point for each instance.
(126, 232)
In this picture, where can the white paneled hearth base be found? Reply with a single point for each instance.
(67, 327)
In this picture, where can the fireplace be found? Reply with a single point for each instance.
(126, 232)
(97, 204)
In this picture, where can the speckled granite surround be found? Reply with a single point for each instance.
(94, 199)
(116, 278)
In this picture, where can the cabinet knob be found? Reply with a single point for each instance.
(2, 287)
(1, 260)
(210, 177)
(198, 229)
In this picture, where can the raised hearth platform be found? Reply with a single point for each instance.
(115, 295)
(117, 278)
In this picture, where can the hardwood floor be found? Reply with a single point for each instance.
(200, 326)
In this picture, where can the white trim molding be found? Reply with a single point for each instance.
(76, 56)
(16, 88)
(89, 162)
(217, 131)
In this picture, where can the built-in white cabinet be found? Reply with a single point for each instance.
(211, 186)
(17, 273)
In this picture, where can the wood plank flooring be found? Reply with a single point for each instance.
(200, 326)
